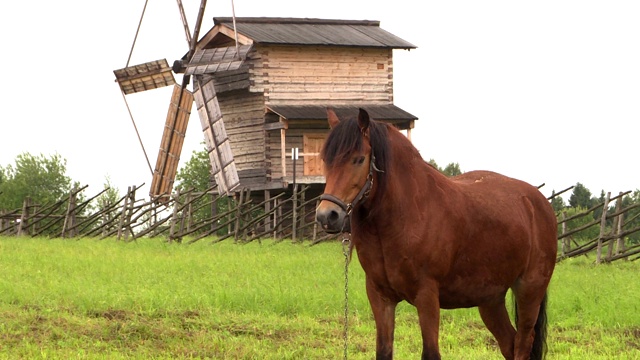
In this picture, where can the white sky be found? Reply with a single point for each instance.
(544, 91)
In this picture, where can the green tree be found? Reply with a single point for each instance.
(452, 169)
(557, 203)
(196, 172)
(41, 178)
(581, 197)
(196, 175)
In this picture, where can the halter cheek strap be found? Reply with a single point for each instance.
(361, 196)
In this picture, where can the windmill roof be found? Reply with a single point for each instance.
(388, 112)
(306, 31)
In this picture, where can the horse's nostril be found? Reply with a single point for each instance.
(333, 216)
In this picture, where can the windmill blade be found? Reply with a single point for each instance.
(147, 76)
(171, 144)
(196, 29)
(214, 60)
(218, 145)
(183, 17)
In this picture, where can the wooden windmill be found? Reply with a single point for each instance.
(195, 64)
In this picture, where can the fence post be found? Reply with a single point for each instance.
(174, 216)
(70, 216)
(603, 227)
(275, 216)
(132, 201)
(5, 223)
(123, 213)
(267, 210)
(620, 248)
(236, 230)
(566, 242)
(315, 224)
(229, 214)
(189, 212)
(615, 226)
(23, 227)
(294, 228)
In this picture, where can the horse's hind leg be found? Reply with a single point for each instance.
(496, 318)
(529, 299)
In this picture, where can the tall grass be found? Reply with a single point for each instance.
(148, 299)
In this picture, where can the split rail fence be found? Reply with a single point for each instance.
(130, 218)
(285, 216)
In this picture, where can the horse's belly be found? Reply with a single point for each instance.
(466, 294)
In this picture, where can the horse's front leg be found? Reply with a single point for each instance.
(384, 311)
(428, 304)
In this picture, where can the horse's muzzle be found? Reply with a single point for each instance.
(333, 219)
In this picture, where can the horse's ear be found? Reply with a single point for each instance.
(363, 120)
(332, 117)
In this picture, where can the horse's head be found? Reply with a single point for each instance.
(349, 165)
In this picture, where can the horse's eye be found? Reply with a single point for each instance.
(359, 160)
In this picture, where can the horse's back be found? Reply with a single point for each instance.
(510, 217)
(512, 200)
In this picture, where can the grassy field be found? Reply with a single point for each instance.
(88, 299)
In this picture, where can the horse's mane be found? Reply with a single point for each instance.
(346, 138)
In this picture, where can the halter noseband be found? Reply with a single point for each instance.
(362, 195)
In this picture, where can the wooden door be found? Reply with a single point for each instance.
(312, 144)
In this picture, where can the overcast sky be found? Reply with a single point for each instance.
(544, 91)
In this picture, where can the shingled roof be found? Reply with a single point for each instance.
(316, 112)
(305, 31)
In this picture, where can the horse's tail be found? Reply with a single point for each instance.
(539, 348)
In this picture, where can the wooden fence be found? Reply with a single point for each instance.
(285, 216)
(612, 242)
(130, 218)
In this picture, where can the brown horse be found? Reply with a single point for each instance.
(438, 242)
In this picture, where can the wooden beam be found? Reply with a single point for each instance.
(283, 152)
(275, 126)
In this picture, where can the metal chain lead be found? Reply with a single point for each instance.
(346, 251)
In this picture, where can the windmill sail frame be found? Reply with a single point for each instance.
(171, 144)
(218, 145)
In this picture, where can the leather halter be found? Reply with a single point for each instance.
(362, 195)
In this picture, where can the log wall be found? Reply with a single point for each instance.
(320, 75)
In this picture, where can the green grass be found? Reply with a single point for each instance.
(89, 299)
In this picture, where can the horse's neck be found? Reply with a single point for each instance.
(411, 171)
(410, 179)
